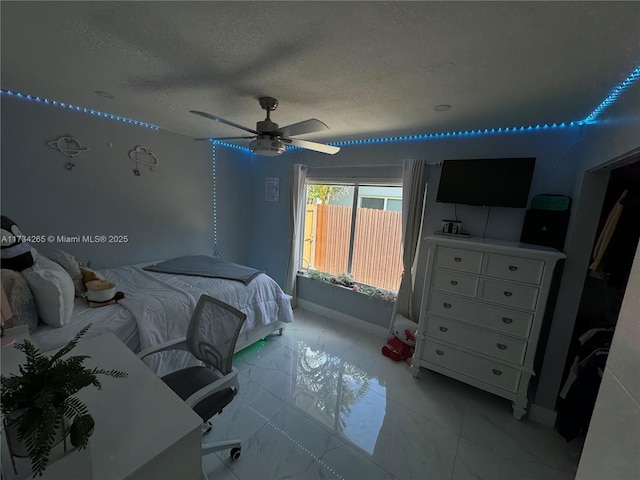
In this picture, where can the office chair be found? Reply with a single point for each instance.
(207, 389)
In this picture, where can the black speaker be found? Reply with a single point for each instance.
(545, 227)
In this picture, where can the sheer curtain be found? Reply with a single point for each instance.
(298, 177)
(413, 200)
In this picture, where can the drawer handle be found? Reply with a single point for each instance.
(443, 329)
(496, 372)
(454, 282)
(507, 320)
(513, 268)
(501, 346)
(457, 259)
(440, 352)
(507, 294)
(446, 305)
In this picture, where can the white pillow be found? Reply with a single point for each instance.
(71, 265)
(52, 290)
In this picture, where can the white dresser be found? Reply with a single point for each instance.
(482, 312)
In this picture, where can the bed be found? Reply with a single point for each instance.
(157, 307)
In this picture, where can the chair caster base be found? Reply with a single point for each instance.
(235, 453)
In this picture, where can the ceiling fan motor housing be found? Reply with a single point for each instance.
(269, 147)
(267, 126)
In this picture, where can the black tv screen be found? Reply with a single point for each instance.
(494, 182)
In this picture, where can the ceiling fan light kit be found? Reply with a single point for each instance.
(271, 140)
(267, 147)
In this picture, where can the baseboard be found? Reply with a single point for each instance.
(343, 318)
(542, 415)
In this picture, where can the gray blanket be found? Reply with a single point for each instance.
(204, 266)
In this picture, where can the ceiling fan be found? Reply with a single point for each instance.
(271, 140)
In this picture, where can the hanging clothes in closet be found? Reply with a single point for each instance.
(580, 390)
(607, 232)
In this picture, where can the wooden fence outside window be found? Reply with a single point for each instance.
(377, 252)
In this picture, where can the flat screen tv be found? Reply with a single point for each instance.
(492, 182)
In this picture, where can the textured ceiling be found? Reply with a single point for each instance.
(367, 69)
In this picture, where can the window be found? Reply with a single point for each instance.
(368, 202)
(394, 205)
(365, 242)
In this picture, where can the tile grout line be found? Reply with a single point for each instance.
(298, 444)
(455, 457)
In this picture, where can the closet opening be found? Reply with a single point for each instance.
(604, 287)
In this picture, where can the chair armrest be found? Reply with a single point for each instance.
(219, 384)
(176, 344)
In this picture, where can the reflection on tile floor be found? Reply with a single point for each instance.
(322, 402)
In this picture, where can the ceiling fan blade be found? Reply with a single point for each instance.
(318, 147)
(306, 126)
(224, 138)
(222, 120)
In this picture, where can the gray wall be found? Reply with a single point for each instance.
(234, 203)
(370, 309)
(164, 213)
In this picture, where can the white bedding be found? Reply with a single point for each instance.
(157, 307)
(114, 319)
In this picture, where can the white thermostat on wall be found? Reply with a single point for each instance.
(272, 189)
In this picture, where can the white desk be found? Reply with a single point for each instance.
(142, 429)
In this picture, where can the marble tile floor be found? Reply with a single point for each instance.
(322, 402)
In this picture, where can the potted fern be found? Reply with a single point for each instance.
(38, 404)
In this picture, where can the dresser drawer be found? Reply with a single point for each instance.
(514, 268)
(458, 259)
(455, 282)
(509, 294)
(483, 341)
(511, 322)
(471, 365)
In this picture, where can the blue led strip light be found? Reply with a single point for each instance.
(465, 133)
(90, 111)
(430, 136)
(231, 145)
(215, 204)
(611, 98)
(613, 95)
(486, 131)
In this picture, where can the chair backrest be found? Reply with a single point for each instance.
(213, 332)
